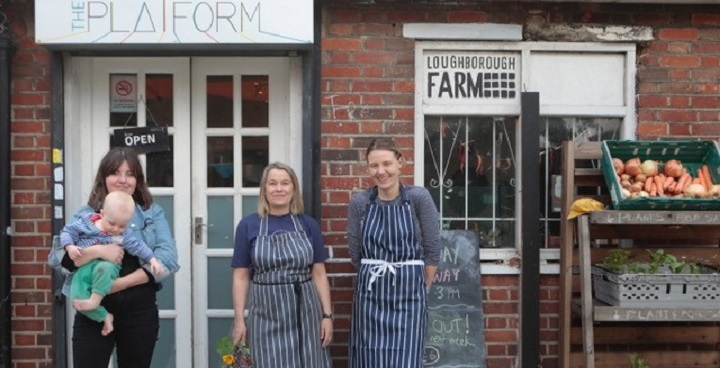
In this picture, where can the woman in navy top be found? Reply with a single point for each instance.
(280, 250)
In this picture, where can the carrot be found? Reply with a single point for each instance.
(708, 178)
(648, 182)
(669, 180)
(653, 190)
(696, 181)
(702, 178)
(659, 185)
(682, 183)
(671, 187)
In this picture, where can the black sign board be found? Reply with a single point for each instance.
(455, 336)
(142, 140)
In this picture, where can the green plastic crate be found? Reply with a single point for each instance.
(692, 154)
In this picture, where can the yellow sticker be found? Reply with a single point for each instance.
(57, 156)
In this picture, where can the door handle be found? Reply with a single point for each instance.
(199, 229)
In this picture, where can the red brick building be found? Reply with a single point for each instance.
(410, 70)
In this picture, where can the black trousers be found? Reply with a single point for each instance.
(136, 331)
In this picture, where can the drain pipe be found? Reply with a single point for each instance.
(6, 48)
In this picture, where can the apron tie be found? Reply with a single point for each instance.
(380, 268)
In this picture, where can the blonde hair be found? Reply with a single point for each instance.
(296, 202)
(119, 203)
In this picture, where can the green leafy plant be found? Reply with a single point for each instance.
(657, 259)
(617, 260)
(620, 261)
(637, 362)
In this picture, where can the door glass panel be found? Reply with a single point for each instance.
(123, 100)
(220, 162)
(249, 205)
(217, 328)
(255, 158)
(159, 100)
(219, 101)
(220, 222)
(160, 167)
(255, 96)
(166, 295)
(164, 355)
(219, 283)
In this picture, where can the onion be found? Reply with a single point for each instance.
(673, 168)
(649, 167)
(632, 166)
(618, 165)
(637, 186)
(695, 191)
(625, 193)
(714, 191)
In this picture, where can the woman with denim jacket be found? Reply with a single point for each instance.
(132, 298)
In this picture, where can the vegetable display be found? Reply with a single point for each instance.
(670, 179)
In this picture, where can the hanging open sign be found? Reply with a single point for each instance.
(142, 140)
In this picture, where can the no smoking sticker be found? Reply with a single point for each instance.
(123, 96)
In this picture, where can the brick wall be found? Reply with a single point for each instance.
(367, 86)
(367, 90)
(30, 193)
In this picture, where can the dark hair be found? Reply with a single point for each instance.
(296, 202)
(108, 166)
(384, 144)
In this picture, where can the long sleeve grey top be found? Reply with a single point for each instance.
(426, 222)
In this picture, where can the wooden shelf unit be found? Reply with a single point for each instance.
(586, 240)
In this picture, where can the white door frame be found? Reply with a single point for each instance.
(87, 131)
(87, 135)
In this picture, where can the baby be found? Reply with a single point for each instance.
(92, 281)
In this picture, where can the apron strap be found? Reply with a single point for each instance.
(296, 222)
(374, 194)
(263, 226)
(380, 268)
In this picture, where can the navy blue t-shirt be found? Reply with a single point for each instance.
(248, 228)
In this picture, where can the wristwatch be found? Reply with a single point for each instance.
(328, 315)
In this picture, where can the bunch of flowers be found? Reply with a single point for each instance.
(233, 355)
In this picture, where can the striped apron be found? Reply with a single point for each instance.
(389, 311)
(285, 311)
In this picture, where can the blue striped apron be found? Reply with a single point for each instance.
(285, 311)
(389, 311)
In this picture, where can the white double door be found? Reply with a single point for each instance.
(226, 119)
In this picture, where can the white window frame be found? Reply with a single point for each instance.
(499, 261)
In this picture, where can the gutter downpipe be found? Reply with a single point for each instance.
(57, 122)
(6, 49)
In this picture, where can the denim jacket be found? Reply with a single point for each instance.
(151, 225)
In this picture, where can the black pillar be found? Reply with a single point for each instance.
(6, 48)
(530, 229)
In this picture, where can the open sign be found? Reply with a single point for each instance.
(142, 140)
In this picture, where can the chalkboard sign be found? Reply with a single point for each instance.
(455, 336)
